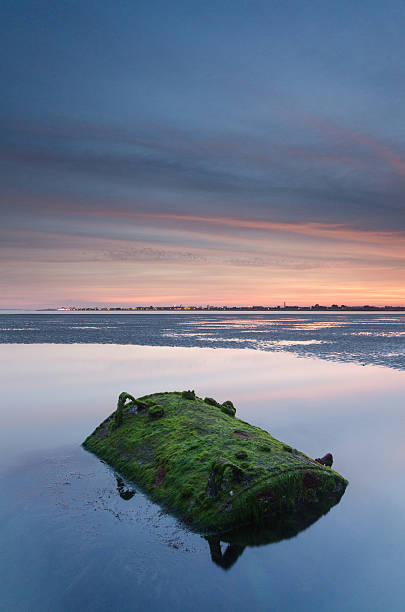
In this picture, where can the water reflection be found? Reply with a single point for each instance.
(365, 338)
(124, 491)
(226, 548)
(227, 558)
(70, 541)
(281, 527)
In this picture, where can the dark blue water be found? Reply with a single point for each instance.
(372, 338)
(69, 541)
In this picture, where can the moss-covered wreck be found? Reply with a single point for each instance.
(211, 469)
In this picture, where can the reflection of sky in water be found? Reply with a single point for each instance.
(388, 334)
(372, 338)
(80, 545)
(262, 344)
(23, 329)
(93, 327)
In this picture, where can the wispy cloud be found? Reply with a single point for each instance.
(343, 177)
(193, 257)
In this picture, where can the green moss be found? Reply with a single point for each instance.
(211, 402)
(190, 395)
(187, 491)
(242, 454)
(125, 400)
(228, 408)
(141, 405)
(211, 469)
(156, 412)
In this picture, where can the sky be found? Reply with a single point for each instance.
(222, 152)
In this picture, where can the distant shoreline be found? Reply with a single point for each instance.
(236, 311)
(315, 308)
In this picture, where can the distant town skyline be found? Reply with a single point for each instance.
(218, 151)
(226, 308)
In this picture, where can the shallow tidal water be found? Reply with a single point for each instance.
(69, 541)
(367, 338)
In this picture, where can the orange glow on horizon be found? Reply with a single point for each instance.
(167, 259)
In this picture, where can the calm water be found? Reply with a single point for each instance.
(377, 338)
(70, 542)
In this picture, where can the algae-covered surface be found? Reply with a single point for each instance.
(213, 470)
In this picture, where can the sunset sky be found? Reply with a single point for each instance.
(220, 152)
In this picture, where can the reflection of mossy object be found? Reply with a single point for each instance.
(123, 490)
(156, 412)
(190, 395)
(211, 469)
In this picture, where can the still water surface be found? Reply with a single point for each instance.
(377, 338)
(70, 542)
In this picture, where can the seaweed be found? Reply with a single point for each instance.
(211, 469)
